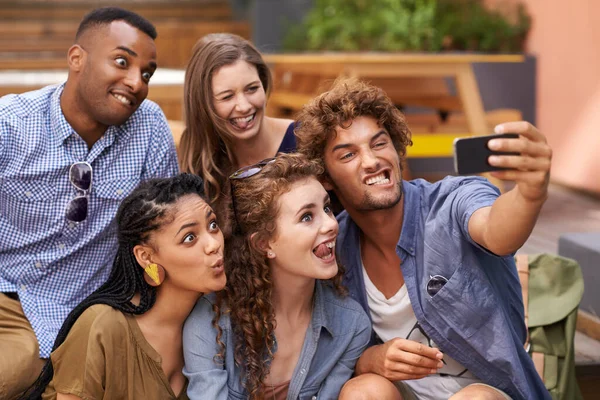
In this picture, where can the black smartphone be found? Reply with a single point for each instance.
(471, 154)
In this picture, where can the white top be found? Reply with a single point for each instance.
(395, 318)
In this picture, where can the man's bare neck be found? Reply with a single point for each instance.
(380, 232)
(90, 131)
(380, 228)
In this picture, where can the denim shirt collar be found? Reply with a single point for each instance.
(408, 234)
(321, 318)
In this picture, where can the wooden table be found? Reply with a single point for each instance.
(420, 68)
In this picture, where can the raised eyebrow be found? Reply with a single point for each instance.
(253, 83)
(127, 50)
(152, 64)
(326, 199)
(185, 226)
(209, 212)
(379, 134)
(306, 207)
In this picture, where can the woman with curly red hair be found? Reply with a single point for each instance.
(283, 327)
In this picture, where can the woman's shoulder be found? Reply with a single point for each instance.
(102, 318)
(98, 323)
(204, 313)
(281, 124)
(279, 128)
(343, 304)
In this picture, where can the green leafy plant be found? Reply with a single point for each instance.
(468, 25)
(408, 25)
(353, 25)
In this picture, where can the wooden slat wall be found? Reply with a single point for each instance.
(151, 9)
(37, 35)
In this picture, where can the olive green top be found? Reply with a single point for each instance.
(105, 356)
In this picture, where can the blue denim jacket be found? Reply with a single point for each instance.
(477, 316)
(338, 333)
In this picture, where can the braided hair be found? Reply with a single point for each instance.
(140, 214)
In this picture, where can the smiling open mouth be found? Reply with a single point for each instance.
(381, 179)
(325, 250)
(242, 123)
(122, 99)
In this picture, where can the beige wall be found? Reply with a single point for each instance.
(566, 39)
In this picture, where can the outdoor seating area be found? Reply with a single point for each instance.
(439, 89)
(411, 80)
(35, 35)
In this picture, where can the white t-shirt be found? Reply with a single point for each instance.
(395, 318)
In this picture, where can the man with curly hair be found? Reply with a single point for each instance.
(432, 263)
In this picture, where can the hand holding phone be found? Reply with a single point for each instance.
(471, 154)
(527, 163)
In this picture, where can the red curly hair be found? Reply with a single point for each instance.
(249, 288)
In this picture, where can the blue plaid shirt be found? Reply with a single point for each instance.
(51, 263)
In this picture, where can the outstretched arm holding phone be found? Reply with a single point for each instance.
(506, 225)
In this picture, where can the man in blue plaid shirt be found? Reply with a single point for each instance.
(68, 155)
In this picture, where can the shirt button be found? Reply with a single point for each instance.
(28, 194)
(38, 264)
(302, 371)
(61, 246)
(314, 398)
(23, 287)
(119, 191)
(71, 225)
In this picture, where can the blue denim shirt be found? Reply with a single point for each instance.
(477, 316)
(339, 331)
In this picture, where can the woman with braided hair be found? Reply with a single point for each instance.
(283, 325)
(124, 341)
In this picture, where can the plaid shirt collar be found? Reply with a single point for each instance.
(62, 130)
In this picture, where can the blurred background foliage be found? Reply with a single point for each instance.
(409, 25)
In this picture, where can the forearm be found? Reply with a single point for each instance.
(510, 222)
(366, 362)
